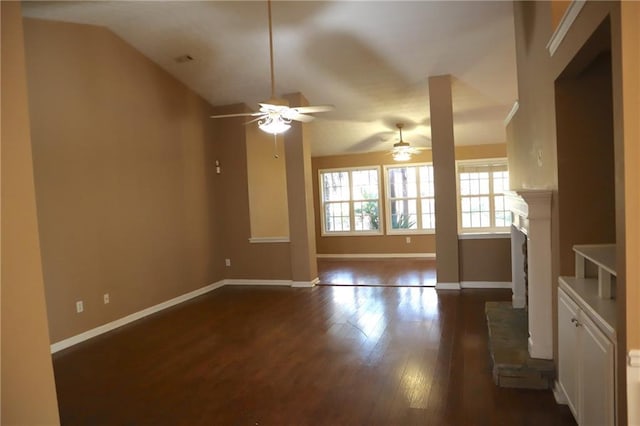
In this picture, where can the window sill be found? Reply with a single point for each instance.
(262, 240)
(352, 234)
(484, 235)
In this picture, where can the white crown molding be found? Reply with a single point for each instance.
(377, 256)
(485, 284)
(78, 338)
(561, 31)
(512, 113)
(447, 286)
(268, 240)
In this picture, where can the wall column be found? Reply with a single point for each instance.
(304, 266)
(27, 385)
(444, 171)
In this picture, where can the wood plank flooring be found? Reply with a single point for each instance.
(282, 356)
(383, 272)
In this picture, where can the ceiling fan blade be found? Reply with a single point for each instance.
(293, 115)
(254, 120)
(314, 108)
(243, 114)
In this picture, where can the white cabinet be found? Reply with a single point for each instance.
(568, 313)
(586, 365)
(597, 370)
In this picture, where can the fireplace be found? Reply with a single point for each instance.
(531, 266)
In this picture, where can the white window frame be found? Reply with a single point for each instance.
(418, 198)
(494, 165)
(351, 201)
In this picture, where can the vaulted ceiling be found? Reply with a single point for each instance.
(371, 59)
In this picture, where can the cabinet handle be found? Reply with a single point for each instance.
(575, 322)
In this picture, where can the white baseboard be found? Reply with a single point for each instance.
(447, 286)
(485, 284)
(633, 388)
(243, 281)
(559, 395)
(377, 256)
(305, 284)
(74, 340)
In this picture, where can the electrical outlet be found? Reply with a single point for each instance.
(79, 306)
(408, 239)
(227, 262)
(106, 298)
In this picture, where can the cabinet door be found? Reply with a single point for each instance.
(596, 374)
(567, 346)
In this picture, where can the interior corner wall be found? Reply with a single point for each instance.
(370, 244)
(384, 244)
(261, 261)
(27, 388)
(124, 177)
(267, 183)
(584, 122)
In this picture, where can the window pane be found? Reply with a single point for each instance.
(428, 214)
(484, 183)
(500, 182)
(337, 217)
(402, 182)
(365, 184)
(404, 214)
(466, 220)
(366, 215)
(426, 181)
(475, 212)
(335, 186)
(502, 212)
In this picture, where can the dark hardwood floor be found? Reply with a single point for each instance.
(382, 272)
(331, 355)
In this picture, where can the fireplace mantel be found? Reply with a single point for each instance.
(531, 211)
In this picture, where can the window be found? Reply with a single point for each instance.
(410, 199)
(350, 201)
(482, 205)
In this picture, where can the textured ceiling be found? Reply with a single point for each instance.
(370, 59)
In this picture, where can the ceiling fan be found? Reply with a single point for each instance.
(275, 114)
(402, 151)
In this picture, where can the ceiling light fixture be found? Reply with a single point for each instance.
(402, 151)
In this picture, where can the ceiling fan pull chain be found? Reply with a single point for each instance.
(275, 146)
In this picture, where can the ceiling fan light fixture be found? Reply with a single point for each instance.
(401, 152)
(274, 124)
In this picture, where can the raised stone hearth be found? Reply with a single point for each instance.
(512, 366)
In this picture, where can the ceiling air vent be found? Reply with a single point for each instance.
(183, 58)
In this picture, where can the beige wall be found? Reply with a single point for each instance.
(384, 243)
(534, 133)
(124, 184)
(485, 260)
(248, 261)
(584, 122)
(267, 179)
(558, 9)
(27, 385)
